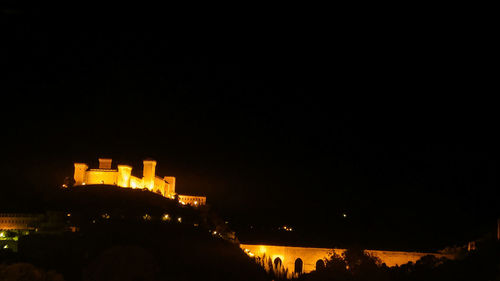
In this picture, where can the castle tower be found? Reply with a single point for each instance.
(105, 163)
(80, 169)
(148, 173)
(124, 173)
(170, 186)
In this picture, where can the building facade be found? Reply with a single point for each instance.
(122, 177)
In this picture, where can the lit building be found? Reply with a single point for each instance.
(122, 176)
(19, 221)
(192, 200)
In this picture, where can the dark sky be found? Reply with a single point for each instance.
(294, 122)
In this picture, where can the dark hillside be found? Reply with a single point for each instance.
(127, 234)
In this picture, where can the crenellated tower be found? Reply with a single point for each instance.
(148, 173)
(80, 172)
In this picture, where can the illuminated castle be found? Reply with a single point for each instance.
(122, 176)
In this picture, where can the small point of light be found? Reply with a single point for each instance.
(179, 219)
(344, 215)
(64, 185)
(68, 215)
(83, 183)
(6, 246)
(2, 234)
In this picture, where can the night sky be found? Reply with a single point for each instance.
(291, 123)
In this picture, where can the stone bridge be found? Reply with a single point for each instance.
(304, 260)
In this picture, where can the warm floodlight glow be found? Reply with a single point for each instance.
(68, 215)
(122, 177)
(179, 219)
(2, 234)
(6, 246)
(263, 249)
(146, 217)
(165, 217)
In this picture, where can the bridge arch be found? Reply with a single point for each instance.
(299, 264)
(320, 264)
(277, 262)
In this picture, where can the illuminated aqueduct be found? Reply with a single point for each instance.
(299, 260)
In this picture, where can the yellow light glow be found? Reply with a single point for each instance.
(68, 215)
(83, 183)
(2, 234)
(263, 249)
(179, 219)
(165, 217)
(146, 217)
(6, 246)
